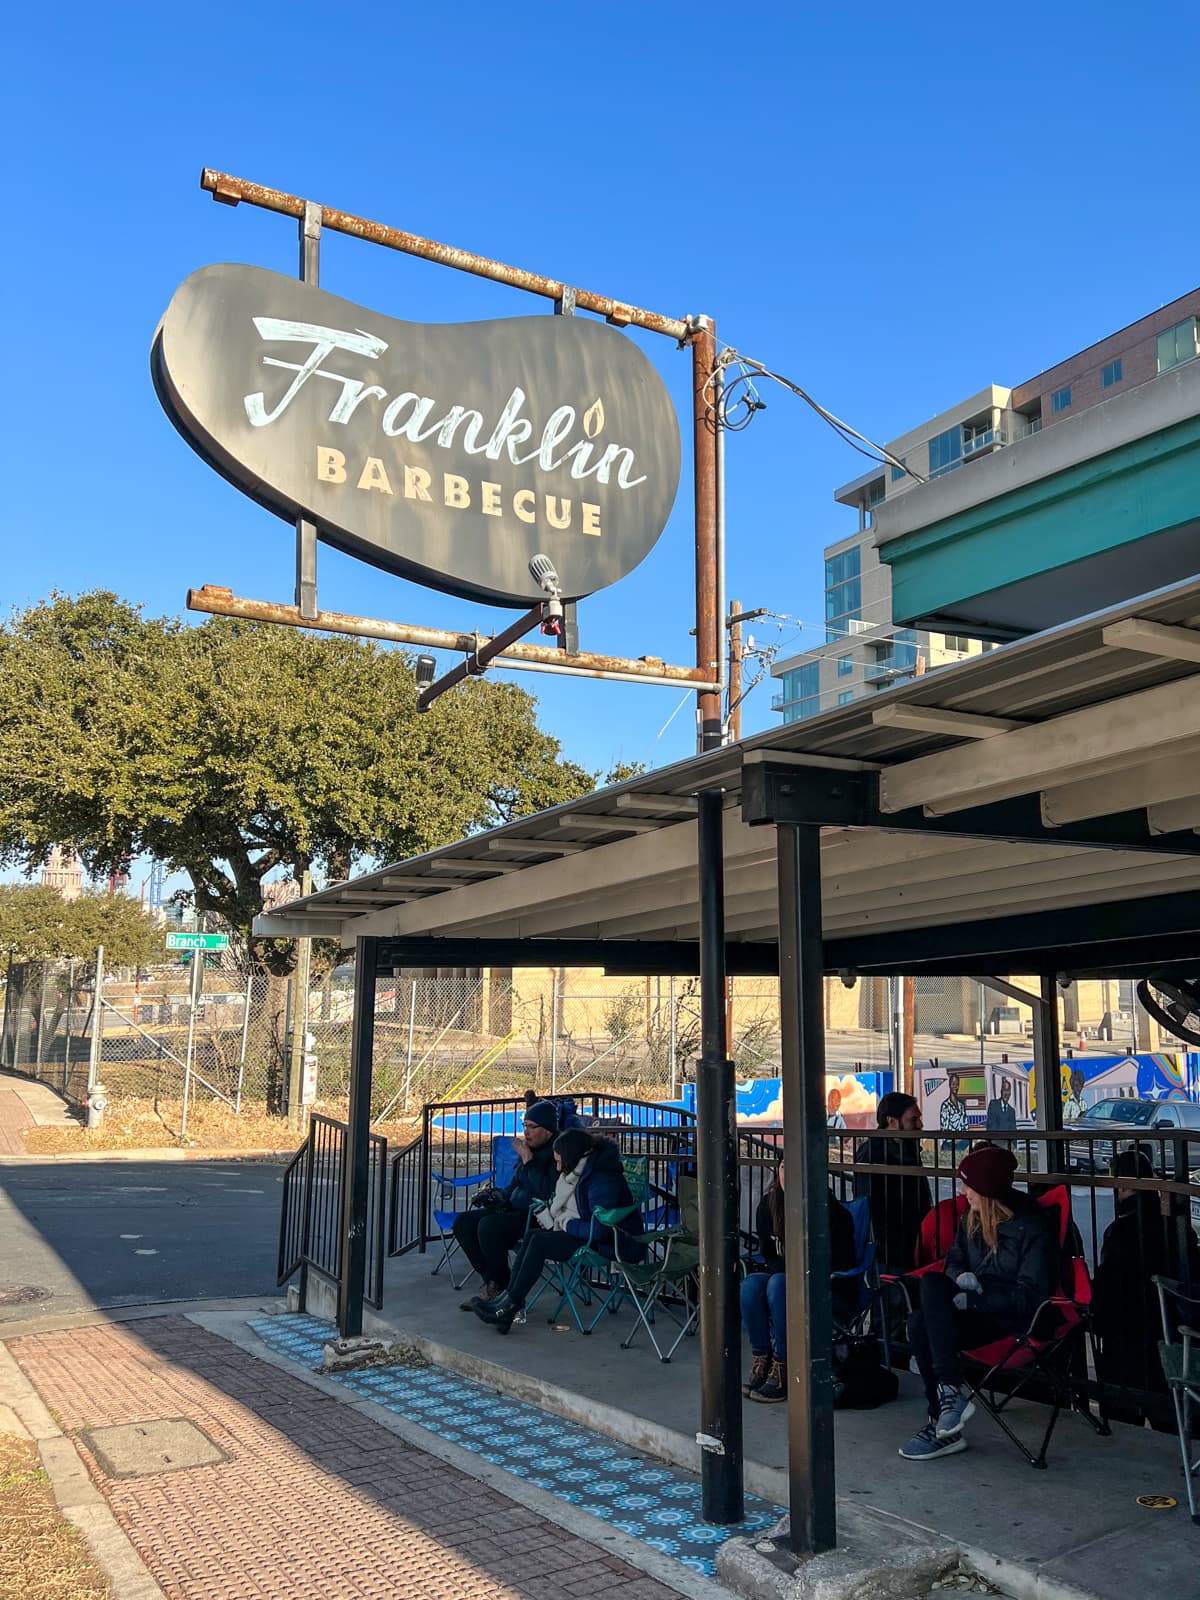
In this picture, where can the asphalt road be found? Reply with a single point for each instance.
(75, 1237)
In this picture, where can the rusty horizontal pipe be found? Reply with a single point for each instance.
(230, 190)
(218, 601)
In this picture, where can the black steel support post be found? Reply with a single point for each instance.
(717, 1174)
(356, 1152)
(812, 1501)
(1047, 1071)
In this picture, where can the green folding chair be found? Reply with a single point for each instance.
(572, 1277)
(672, 1258)
(1180, 1357)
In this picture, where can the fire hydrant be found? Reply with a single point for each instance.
(97, 1105)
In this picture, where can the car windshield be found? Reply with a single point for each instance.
(1138, 1112)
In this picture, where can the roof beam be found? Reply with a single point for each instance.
(464, 867)
(595, 824)
(1153, 639)
(932, 719)
(1169, 777)
(1089, 744)
(671, 805)
(1173, 815)
(537, 847)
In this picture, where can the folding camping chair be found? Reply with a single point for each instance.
(1047, 1348)
(673, 1255)
(1181, 1368)
(447, 1190)
(851, 1322)
(571, 1277)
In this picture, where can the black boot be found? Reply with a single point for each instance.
(500, 1312)
(759, 1370)
(775, 1388)
(485, 1296)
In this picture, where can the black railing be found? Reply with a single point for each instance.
(405, 1210)
(310, 1229)
(1154, 1197)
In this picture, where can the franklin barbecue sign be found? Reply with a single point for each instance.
(449, 454)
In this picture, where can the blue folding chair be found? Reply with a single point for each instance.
(850, 1319)
(447, 1191)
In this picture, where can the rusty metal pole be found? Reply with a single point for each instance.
(735, 671)
(708, 619)
(720, 1436)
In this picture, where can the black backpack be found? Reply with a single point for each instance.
(860, 1380)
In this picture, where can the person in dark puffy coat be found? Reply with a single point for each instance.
(999, 1270)
(487, 1233)
(591, 1178)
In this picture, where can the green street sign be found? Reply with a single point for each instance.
(197, 941)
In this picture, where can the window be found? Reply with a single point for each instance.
(900, 472)
(845, 665)
(945, 450)
(847, 565)
(876, 492)
(845, 697)
(1177, 344)
(801, 695)
(1111, 373)
(905, 651)
(957, 641)
(1060, 399)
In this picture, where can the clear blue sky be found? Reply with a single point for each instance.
(892, 206)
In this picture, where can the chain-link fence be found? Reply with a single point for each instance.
(456, 1033)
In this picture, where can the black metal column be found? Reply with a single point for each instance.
(812, 1498)
(357, 1150)
(1047, 1070)
(717, 1172)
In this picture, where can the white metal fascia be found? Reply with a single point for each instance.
(1153, 638)
(1075, 746)
(1175, 776)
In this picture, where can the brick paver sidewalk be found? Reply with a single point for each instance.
(314, 1502)
(15, 1117)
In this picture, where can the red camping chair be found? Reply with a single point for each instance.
(938, 1227)
(1049, 1347)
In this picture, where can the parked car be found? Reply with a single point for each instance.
(1124, 1121)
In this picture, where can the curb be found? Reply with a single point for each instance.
(232, 1327)
(873, 1561)
(80, 1502)
(167, 1153)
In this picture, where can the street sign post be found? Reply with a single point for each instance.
(197, 941)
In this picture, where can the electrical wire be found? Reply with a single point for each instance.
(740, 401)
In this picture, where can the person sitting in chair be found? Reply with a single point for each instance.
(899, 1201)
(996, 1274)
(590, 1179)
(764, 1290)
(488, 1231)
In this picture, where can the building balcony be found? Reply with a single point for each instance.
(978, 444)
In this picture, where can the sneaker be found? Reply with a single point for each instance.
(954, 1409)
(774, 1389)
(759, 1369)
(926, 1446)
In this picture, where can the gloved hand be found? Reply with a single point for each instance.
(969, 1283)
(959, 1302)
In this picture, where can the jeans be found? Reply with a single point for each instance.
(764, 1311)
(540, 1246)
(486, 1238)
(939, 1331)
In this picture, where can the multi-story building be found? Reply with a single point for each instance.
(992, 445)
(63, 872)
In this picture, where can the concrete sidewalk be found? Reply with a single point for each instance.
(230, 1477)
(25, 1104)
(1074, 1528)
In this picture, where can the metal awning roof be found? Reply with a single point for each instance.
(1094, 721)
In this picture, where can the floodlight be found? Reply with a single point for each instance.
(541, 570)
(426, 671)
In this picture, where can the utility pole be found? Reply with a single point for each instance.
(295, 1108)
(734, 624)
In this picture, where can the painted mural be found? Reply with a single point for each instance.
(1004, 1097)
(850, 1099)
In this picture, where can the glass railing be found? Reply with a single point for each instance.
(986, 440)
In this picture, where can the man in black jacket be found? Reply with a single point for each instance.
(898, 1202)
(487, 1233)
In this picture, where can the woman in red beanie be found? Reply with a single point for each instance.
(996, 1273)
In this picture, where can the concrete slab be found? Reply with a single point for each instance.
(143, 1449)
(1036, 1534)
(43, 1107)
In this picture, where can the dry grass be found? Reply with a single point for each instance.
(151, 1125)
(42, 1557)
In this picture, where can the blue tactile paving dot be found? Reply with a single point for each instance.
(654, 1503)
